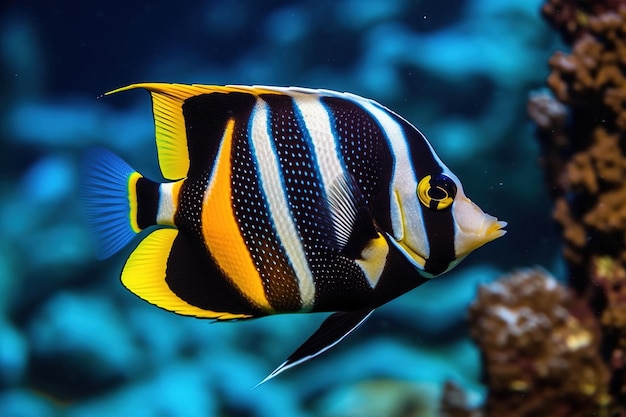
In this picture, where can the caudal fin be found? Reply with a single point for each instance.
(109, 196)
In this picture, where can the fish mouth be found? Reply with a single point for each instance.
(470, 239)
(494, 230)
(474, 227)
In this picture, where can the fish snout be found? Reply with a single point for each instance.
(474, 227)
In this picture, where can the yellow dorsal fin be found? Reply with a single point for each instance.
(145, 272)
(171, 138)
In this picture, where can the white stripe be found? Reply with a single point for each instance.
(327, 153)
(317, 124)
(269, 170)
(166, 210)
(403, 188)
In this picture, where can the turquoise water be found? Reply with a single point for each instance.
(74, 342)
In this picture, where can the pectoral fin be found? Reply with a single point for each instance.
(332, 331)
(351, 217)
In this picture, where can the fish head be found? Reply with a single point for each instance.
(435, 225)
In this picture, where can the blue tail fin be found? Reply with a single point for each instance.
(107, 200)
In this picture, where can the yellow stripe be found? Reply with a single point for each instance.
(176, 193)
(221, 231)
(145, 271)
(132, 201)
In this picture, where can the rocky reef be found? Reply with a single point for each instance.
(560, 349)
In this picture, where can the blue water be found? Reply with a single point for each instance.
(74, 342)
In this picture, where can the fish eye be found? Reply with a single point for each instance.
(436, 192)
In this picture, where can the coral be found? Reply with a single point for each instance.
(571, 17)
(591, 77)
(591, 207)
(610, 275)
(535, 335)
(582, 132)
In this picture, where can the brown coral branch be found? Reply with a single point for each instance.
(571, 17)
(549, 350)
(586, 166)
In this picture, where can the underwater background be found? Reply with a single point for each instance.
(74, 342)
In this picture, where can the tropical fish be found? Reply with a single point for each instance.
(281, 200)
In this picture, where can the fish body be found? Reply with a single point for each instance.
(281, 200)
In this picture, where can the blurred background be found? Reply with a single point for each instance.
(74, 342)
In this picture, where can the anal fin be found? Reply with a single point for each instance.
(167, 270)
(332, 331)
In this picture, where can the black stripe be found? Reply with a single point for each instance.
(363, 146)
(195, 278)
(366, 154)
(423, 161)
(439, 224)
(206, 116)
(188, 216)
(147, 202)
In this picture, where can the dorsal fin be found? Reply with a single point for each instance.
(171, 128)
(170, 131)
